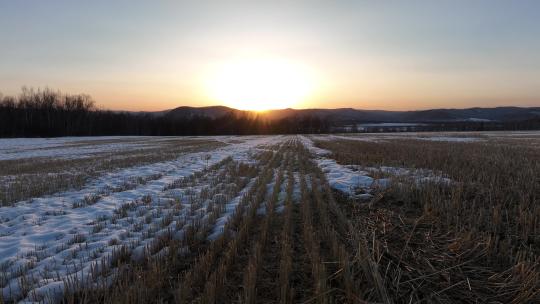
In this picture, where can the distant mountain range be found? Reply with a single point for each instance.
(348, 115)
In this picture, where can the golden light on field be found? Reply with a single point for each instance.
(259, 84)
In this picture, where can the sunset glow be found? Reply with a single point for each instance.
(143, 56)
(259, 84)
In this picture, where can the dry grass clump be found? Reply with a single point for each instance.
(87, 201)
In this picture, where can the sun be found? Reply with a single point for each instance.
(259, 84)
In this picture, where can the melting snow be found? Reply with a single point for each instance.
(350, 178)
(56, 241)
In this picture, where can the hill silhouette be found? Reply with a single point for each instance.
(348, 115)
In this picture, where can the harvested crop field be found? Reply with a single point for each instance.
(350, 218)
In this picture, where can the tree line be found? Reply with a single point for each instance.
(49, 113)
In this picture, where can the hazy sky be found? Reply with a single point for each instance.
(153, 55)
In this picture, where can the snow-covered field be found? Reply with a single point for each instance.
(81, 147)
(65, 236)
(68, 147)
(73, 235)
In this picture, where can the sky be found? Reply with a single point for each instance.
(393, 55)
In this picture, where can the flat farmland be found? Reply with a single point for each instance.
(343, 218)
